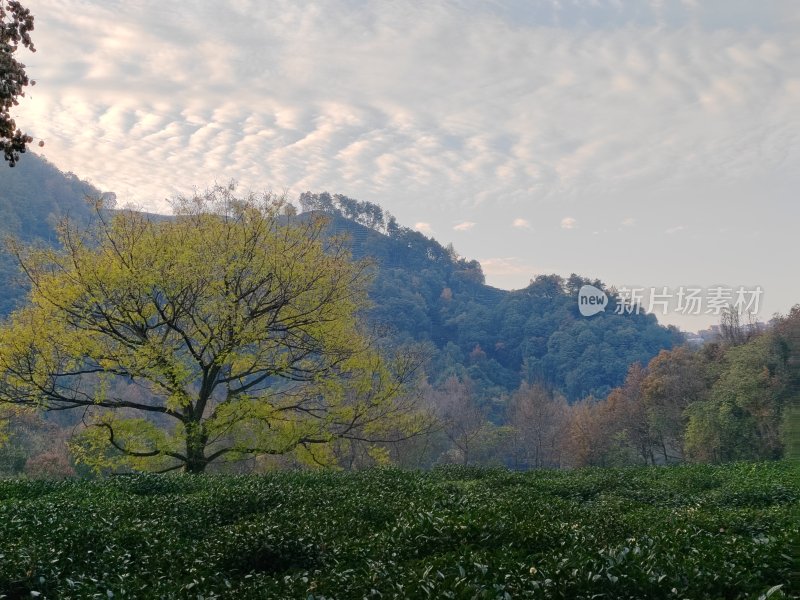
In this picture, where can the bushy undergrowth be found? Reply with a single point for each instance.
(681, 532)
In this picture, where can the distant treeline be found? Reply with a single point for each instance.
(731, 400)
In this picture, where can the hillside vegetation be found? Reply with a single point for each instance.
(426, 292)
(515, 378)
(423, 292)
(34, 196)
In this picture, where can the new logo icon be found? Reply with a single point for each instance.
(591, 300)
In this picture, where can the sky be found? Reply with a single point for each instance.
(646, 144)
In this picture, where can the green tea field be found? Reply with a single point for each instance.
(679, 532)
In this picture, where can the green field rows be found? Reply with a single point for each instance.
(681, 532)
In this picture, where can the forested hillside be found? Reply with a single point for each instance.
(515, 377)
(34, 195)
(428, 293)
(423, 292)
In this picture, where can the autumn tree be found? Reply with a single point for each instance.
(463, 420)
(628, 424)
(614, 431)
(676, 380)
(27, 440)
(587, 442)
(240, 324)
(538, 419)
(16, 23)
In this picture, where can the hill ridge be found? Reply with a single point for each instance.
(425, 292)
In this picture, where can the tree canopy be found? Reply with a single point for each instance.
(733, 399)
(16, 23)
(238, 325)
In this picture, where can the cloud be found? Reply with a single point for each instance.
(423, 227)
(568, 223)
(628, 222)
(465, 226)
(486, 109)
(676, 229)
(511, 271)
(521, 223)
(499, 267)
(510, 265)
(373, 101)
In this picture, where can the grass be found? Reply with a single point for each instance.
(679, 532)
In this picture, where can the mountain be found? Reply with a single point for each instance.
(428, 293)
(34, 196)
(423, 293)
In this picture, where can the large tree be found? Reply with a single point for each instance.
(676, 379)
(16, 23)
(239, 324)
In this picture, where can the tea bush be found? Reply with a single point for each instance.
(678, 532)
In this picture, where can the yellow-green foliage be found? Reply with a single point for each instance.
(3, 431)
(92, 447)
(241, 324)
(7, 415)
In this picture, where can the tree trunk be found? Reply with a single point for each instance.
(196, 440)
(195, 463)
